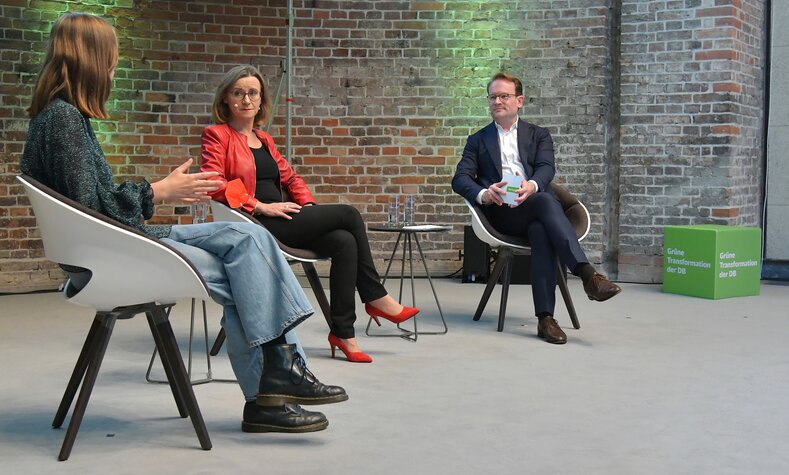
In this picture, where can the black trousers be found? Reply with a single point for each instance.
(336, 231)
(542, 221)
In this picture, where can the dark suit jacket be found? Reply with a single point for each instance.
(480, 165)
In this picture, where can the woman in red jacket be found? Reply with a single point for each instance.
(235, 149)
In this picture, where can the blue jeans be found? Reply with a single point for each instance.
(247, 275)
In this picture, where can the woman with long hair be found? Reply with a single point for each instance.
(245, 271)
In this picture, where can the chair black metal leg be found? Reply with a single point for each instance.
(220, 340)
(317, 289)
(167, 364)
(568, 299)
(154, 354)
(501, 259)
(171, 356)
(505, 290)
(95, 356)
(77, 374)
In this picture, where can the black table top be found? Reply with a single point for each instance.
(412, 228)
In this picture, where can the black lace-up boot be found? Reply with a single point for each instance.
(286, 379)
(287, 418)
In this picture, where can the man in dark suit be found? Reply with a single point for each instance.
(512, 146)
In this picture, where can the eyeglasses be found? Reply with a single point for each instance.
(238, 94)
(504, 97)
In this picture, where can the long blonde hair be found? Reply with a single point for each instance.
(82, 51)
(221, 112)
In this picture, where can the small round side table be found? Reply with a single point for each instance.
(409, 235)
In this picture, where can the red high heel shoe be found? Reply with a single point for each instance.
(405, 314)
(353, 356)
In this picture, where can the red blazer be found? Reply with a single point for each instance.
(225, 150)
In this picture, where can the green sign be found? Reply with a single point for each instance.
(712, 261)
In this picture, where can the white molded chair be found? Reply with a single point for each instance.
(305, 257)
(507, 246)
(120, 272)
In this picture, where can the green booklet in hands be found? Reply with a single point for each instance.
(514, 182)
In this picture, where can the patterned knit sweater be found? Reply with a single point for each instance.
(63, 153)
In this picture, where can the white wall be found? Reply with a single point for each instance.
(777, 226)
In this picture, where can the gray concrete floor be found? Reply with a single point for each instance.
(651, 384)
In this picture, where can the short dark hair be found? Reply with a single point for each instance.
(510, 78)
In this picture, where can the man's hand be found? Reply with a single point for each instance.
(180, 185)
(494, 193)
(526, 190)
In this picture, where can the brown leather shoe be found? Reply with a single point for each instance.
(599, 288)
(548, 329)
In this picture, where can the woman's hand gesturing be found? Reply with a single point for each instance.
(180, 185)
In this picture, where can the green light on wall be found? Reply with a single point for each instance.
(473, 41)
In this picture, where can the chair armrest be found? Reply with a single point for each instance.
(223, 212)
(127, 266)
(575, 211)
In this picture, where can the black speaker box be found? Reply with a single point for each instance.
(477, 261)
(476, 257)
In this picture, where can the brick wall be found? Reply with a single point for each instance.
(692, 105)
(385, 93)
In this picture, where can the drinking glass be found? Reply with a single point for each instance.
(199, 212)
(408, 210)
(393, 216)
